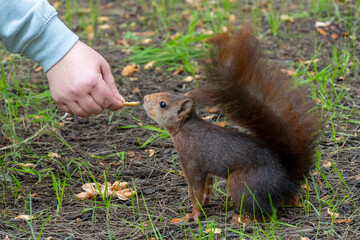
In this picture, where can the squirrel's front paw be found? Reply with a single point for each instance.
(191, 216)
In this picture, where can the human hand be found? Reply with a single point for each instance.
(81, 83)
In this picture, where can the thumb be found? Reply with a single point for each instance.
(109, 80)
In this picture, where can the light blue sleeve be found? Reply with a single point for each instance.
(32, 28)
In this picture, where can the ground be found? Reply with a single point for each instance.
(104, 148)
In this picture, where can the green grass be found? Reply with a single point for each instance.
(30, 119)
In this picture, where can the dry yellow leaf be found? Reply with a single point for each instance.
(105, 27)
(25, 217)
(103, 19)
(147, 40)
(188, 78)
(54, 155)
(38, 69)
(85, 196)
(151, 152)
(214, 230)
(129, 70)
(29, 165)
(150, 64)
(175, 220)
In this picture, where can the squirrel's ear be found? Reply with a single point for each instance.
(185, 107)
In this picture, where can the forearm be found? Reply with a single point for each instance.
(32, 28)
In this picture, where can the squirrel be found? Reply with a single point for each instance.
(264, 169)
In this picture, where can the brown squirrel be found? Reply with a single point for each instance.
(263, 169)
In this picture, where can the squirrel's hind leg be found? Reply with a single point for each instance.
(208, 189)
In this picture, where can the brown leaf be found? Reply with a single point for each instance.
(24, 217)
(334, 36)
(129, 70)
(175, 220)
(135, 90)
(177, 72)
(123, 42)
(214, 230)
(103, 19)
(85, 196)
(327, 164)
(105, 27)
(357, 177)
(322, 32)
(343, 220)
(188, 78)
(56, 4)
(306, 187)
(29, 165)
(54, 155)
(147, 40)
(145, 34)
(130, 154)
(149, 64)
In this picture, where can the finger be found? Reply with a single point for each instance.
(64, 108)
(103, 95)
(109, 79)
(89, 105)
(76, 109)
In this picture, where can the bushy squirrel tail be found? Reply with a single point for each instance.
(256, 95)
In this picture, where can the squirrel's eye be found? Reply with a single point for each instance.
(163, 104)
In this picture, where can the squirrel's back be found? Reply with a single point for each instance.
(256, 95)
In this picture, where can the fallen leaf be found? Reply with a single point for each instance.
(177, 72)
(29, 165)
(117, 185)
(25, 217)
(188, 78)
(342, 220)
(151, 152)
(130, 154)
(357, 177)
(38, 69)
(322, 32)
(85, 196)
(335, 215)
(327, 164)
(149, 64)
(129, 70)
(34, 195)
(54, 155)
(90, 32)
(287, 18)
(103, 19)
(304, 238)
(334, 36)
(56, 4)
(105, 27)
(306, 187)
(123, 42)
(175, 220)
(103, 163)
(147, 40)
(322, 24)
(145, 34)
(214, 230)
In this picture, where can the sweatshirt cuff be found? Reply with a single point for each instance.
(52, 44)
